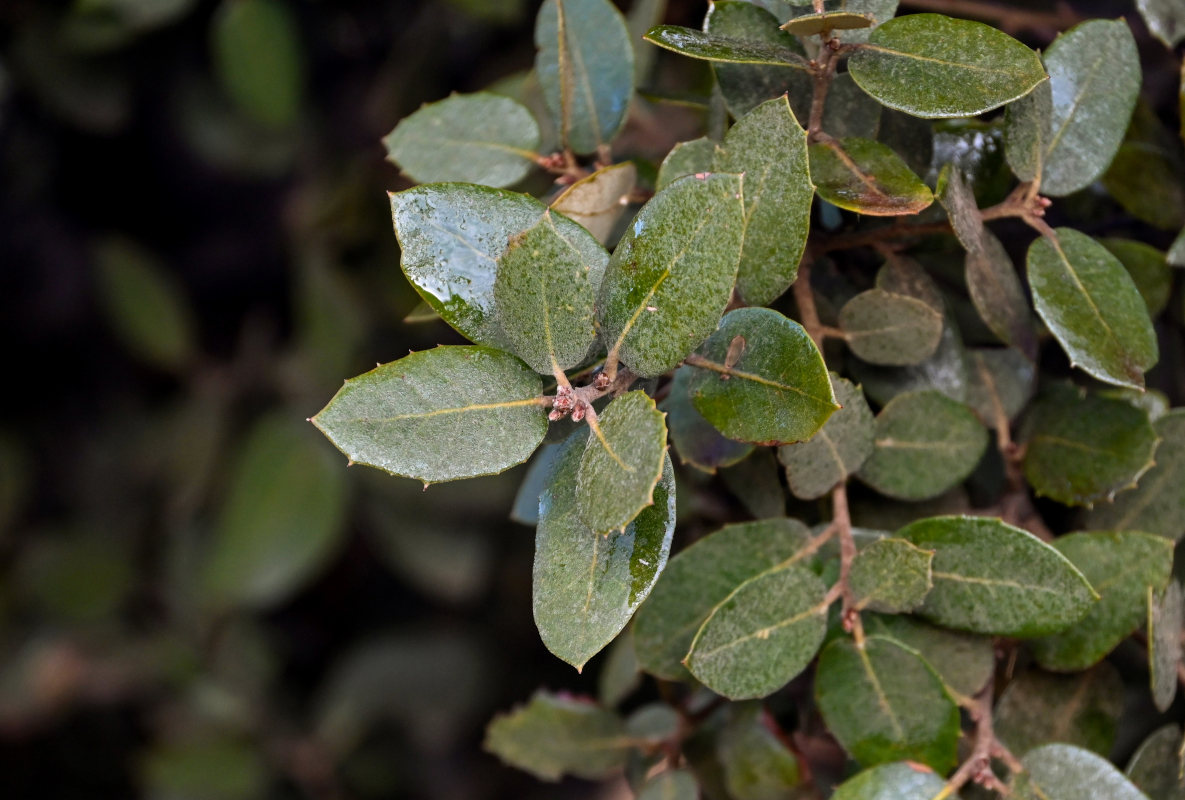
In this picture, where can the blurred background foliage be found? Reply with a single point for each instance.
(197, 599)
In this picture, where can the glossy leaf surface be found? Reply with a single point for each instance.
(839, 448)
(696, 440)
(714, 47)
(867, 177)
(1157, 504)
(747, 86)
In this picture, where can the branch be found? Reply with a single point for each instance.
(842, 520)
(824, 73)
(978, 766)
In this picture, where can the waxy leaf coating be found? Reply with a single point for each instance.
(837, 450)
(439, 415)
(622, 463)
(897, 780)
(760, 378)
(930, 65)
(1065, 772)
(990, 577)
(585, 586)
(891, 576)
(867, 177)
(1157, 504)
(714, 47)
(890, 329)
(672, 274)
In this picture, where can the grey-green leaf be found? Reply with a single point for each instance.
(696, 440)
(598, 201)
(545, 292)
(1027, 131)
(1065, 772)
(990, 577)
(1156, 766)
(672, 274)
(891, 576)
(946, 371)
(1094, 76)
(1092, 307)
(1165, 617)
(686, 158)
(1081, 710)
(930, 65)
(1084, 448)
(621, 463)
(925, 444)
(553, 736)
(439, 415)
(757, 765)
(1001, 384)
(964, 661)
(1166, 21)
(896, 780)
(714, 47)
(586, 586)
(839, 448)
(1148, 268)
(585, 65)
(883, 703)
(769, 147)
(673, 784)
(760, 378)
(826, 22)
(699, 578)
(477, 138)
(867, 177)
(746, 86)
(890, 329)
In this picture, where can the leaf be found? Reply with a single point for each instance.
(598, 201)
(585, 586)
(840, 447)
(893, 781)
(281, 521)
(1064, 772)
(585, 65)
(476, 138)
(1145, 176)
(1092, 307)
(545, 292)
(256, 50)
(1120, 566)
(769, 147)
(619, 676)
(696, 440)
(1157, 504)
(760, 378)
(883, 703)
(1148, 269)
(891, 576)
(672, 274)
(925, 444)
(700, 577)
(930, 65)
(643, 16)
(755, 483)
(553, 736)
(1156, 766)
(1176, 253)
(946, 371)
(812, 24)
(890, 329)
(756, 763)
(1083, 448)
(877, 10)
(1002, 383)
(686, 158)
(763, 633)
(746, 86)
(849, 111)
(990, 577)
(673, 784)
(867, 177)
(1165, 618)
(214, 767)
(1081, 710)
(1094, 77)
(714, 47)
(1027, 129)
(439, 415)
(963, 661)
(526, 500)
(1165, 20)
(621, 463)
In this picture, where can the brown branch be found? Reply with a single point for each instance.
(824, 74)
(842, 521)
(978, 766)
(804, 298)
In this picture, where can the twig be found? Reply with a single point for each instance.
(842, 521)
(824, 74)
(978, 766)
(804, 298)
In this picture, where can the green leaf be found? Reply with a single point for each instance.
(672, 274)
(828, 21)
(925, 444)
(1146, 175)
(839, 448)
(1157, 504)
(867, 177)
(757, 765)
(760, 378)
(686, 158)
(883, 703)
(545, 292)
(439, 415)
(769, 147)
(1165, 618)
(755, 482)
(218, 767)
(700, 577)
(946, 371)
(619, 676)
(891, 576)
(1082, 710)
(673, 784)
(281, 521)
(621, 463)
(1166, 21)
(963, 661)
(763, 633)
(696, 440)
(1083, 448)
(1002, 383)
(1156, 766)
(598, 201)
(930, 65)
(586, 586)
(849, 111)
(893, 781)
(257, 57)
(1092, 307)
(585, 65)
(890, 329)
(714, 47)
(526, 500)
(1027, 129)
(1120, 566)
(1176, 253)
(990, 577)
(476, 138)
(877, 10)
(1064, 772)
(1094, 77)
(553, 736)
(747, 85)
(1148, 269)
